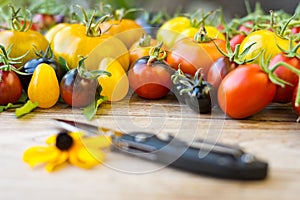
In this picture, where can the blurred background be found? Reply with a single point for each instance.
(231, 8)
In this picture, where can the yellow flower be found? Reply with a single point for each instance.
(73, 148)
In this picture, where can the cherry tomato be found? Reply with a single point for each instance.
(245, 91)
(116, 86)
(43, 21)
(191, 55)
(44, 87)
(78, 91)
(10, 87)
(235, 40)
(219, 69)
(142, 47)
(150, 80)
(284, 94)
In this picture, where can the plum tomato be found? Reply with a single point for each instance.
(284, 94)
(245, 91)
(150, 80)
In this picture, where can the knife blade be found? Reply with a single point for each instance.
(201, 157)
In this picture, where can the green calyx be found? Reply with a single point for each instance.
(236, 56)
(292, 50)
(20, 22)
(118, 14)
(273, 78)
(92, 28)
(7, 63)
(47, 55)
(145, 40)
(87, 74)
(156, 54)
(202, 36)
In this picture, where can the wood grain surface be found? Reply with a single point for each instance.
(272, 135)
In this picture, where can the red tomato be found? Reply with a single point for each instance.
(284, 94)
(235, 40)
(245, 91)
(296, 106)
(150, 80)
(191, 55)
(10, 87)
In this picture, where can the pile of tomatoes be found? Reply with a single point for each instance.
(241, 66)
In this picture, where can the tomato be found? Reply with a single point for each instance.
(264, 40)
(23, 42)
(191, 55)
(10, 87)
(142, 47)
(72, 41)
(245, 91)
(235, 40)
(22, 39)
(44, 87)
(43, 21)
(53, 30)
(78, 91)
(127, 30)
(295, 105)
(150, 80)
(181, 27)
(116, 86)
(192, 31)
(219, 69)
(284, 94)
(170, 30)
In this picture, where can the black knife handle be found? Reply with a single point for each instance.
(218, 160)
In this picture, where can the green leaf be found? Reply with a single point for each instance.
(90, 111)
(26, 108)
(8, 106)
(63, 64)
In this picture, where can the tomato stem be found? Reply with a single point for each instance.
(156, 53)
(297, 101)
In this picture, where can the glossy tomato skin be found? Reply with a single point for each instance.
(127, 30)
(219, 69)
(71, 42)
(44, 87)
(235, 40)
(245, 91)
(191, 55)
(77, 91)
(151, 81)
(10, 87)
(284, 94)
(23, 42)
(296, 107)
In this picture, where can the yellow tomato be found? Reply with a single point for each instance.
(265, 44)
(171, 29)
(127, 30)
(116, 86)
(72, 42)
(52, 31)
(23, 42)
(43, 87)
(212, 32)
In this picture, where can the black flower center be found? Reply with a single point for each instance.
(64, 141)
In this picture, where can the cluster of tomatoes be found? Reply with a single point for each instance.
(242, 66)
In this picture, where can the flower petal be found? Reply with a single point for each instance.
(86, 158)
(40, 154)
(58, 162)
(97, 142)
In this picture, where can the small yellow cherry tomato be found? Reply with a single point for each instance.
(43, 87)
(116, 86)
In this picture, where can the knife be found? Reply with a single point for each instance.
(201, 157)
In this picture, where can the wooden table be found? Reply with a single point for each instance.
(272, 135)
